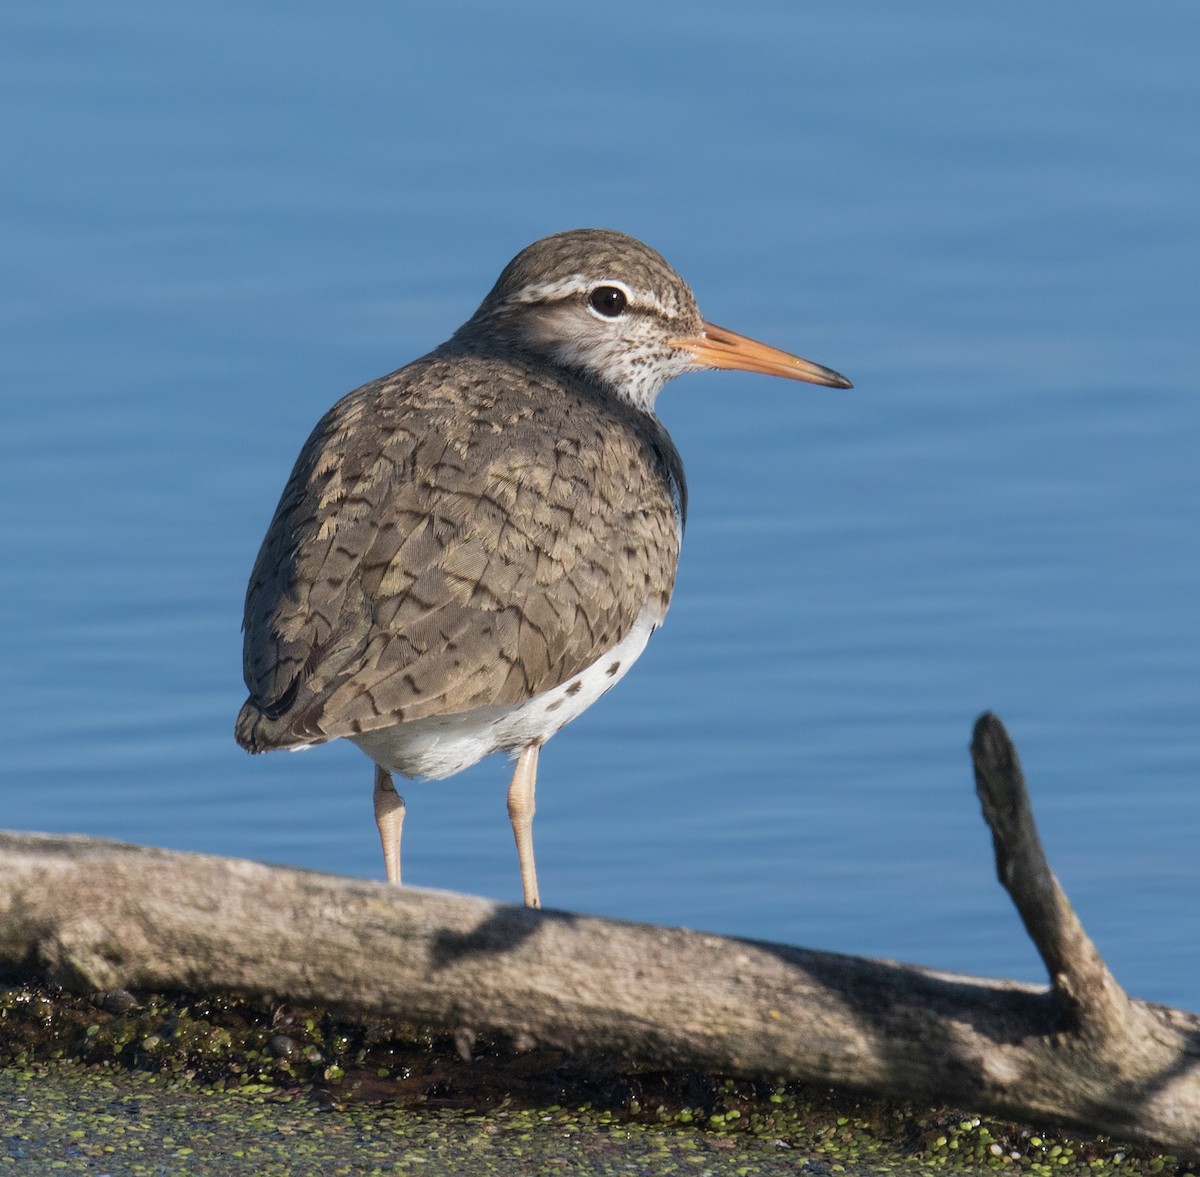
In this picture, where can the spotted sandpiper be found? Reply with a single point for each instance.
(471, 551)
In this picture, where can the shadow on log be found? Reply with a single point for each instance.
(93, 915)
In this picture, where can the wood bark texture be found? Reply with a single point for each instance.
(95, 915)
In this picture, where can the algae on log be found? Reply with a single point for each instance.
(90, 914)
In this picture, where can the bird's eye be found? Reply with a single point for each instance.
(608, 301)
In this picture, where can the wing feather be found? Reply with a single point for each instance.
(451, 538)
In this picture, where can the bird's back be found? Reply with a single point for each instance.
(462, 533)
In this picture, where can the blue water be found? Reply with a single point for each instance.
(217, 219)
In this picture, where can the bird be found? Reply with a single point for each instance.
(471, 550)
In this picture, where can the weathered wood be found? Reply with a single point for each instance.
(1084, 989)
(101, 915)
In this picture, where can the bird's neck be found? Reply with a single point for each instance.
(622, 377)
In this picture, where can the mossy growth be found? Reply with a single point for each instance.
(257, 1045)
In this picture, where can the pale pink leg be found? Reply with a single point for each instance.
(389, 817)
(520, 812)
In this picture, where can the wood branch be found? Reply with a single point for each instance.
(1085, 990)
(94, 915)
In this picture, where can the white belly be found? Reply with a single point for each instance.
(445, 744)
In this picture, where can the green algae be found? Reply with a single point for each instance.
(179, 1083)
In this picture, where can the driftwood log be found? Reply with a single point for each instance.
(96, 915)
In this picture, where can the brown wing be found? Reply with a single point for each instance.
(448, 540)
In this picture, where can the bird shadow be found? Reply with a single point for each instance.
(505, 929)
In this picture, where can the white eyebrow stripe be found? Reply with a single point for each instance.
(551, 291)
(579, 284)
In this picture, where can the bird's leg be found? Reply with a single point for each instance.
(389, 817)
(520, 813)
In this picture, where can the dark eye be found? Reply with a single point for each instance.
(608, 301)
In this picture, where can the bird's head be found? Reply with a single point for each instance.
(602, 304)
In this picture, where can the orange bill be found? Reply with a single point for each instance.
(715, 347)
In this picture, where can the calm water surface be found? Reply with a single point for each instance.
(217, 220)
